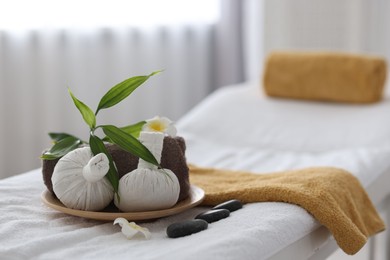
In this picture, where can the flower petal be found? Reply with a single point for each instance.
(140, 229)
(120, 221)
(171, 131)
(131, 229)
(160, 124)
(165, 120)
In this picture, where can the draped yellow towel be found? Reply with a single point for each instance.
(333, 196)
(325, 76)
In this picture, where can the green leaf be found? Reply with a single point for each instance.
(56, 137)
(62, 147)
(133, 130)
(97, 146)
(122, 90)
(86, 112)
(129, 143)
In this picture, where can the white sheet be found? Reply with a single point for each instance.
(30, 230)
(239, 127)
(274, 135)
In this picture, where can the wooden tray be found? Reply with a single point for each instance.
(195, 197)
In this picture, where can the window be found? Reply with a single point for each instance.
(25, 14)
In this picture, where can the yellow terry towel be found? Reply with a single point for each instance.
(325, 76)
(333, 196)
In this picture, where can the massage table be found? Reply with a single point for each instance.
(236, 127)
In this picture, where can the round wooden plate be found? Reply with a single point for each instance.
(195, 197)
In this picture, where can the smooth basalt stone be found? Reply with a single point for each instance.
(213, 215)
(231, 205)
(185, 228)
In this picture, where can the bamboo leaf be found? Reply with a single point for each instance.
(61, 148)
(56, 137)
(129, 143)
(133, 130)
(97, 146)
(86, 112)
(122, 90)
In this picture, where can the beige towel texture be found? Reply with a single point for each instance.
(333, 196)
(325, 76)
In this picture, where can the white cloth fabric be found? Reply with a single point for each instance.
(241, 128)
(30, 230)
(235, 128)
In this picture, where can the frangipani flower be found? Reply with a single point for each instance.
(131, 229)
(160, 124)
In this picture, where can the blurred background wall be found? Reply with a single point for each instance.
(89, 46)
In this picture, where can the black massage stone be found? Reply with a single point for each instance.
(213, 215)
(231, 205)
(185, 228)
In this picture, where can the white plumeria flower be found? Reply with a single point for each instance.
(131, 229)
(160, 124)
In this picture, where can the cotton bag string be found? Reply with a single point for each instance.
(333, 196)
(325, 76)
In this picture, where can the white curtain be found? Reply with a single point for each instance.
(339, 25)
(37, 68)
(38, 65)
(253, 38)
(343, 25)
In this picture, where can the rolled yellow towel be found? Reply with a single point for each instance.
(333, 196)
(325, 76)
